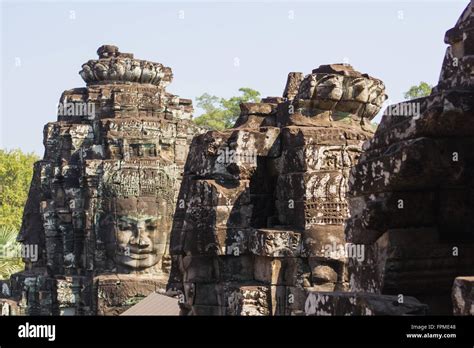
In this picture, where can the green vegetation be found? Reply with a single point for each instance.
(221, 113)
(422, 90)
(16, 170)
(10, 249)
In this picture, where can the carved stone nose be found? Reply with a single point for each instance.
(143, 243)
(139, 241)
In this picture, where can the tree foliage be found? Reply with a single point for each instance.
(423, 89)
(221, 113)
(16, 170)
(10, 253)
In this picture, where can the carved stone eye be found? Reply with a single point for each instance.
(124, 225)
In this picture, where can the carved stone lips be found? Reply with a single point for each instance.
(138, 256)
(139, 251)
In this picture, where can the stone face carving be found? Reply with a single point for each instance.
(411, 193)
(299, 209)
(102, 199)
(260, 213)
(137, 209)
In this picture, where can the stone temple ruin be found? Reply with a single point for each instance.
(259, 224)
(262, 225)
(412, 191)
(102, 199)
(301, 208)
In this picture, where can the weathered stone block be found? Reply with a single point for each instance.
(390, 210)
(413, 164)
(276, 271)
(293, 136)
(352, 303)
(235, 268)
(396, 264)
(319, 158)
(208, 310)
(257, 108)
(200, 269)
(250, 300)
(312, 185)
(210, 193)
(325, 242)
(275, 243)
(116, 293)
(463, 296)
(207, 294)
(295, 299)
(231, 153)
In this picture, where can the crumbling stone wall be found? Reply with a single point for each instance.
(412, 194)
(259, 223)
(102, 198)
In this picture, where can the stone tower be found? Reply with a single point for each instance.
(412, 192)
(102, 199)
(259, 222)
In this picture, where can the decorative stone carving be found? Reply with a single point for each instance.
(115, 67)
(102, 199)
(262, 205)
(411, 193)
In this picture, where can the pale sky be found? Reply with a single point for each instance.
(44, 44)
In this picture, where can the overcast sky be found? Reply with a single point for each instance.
(212, 46)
